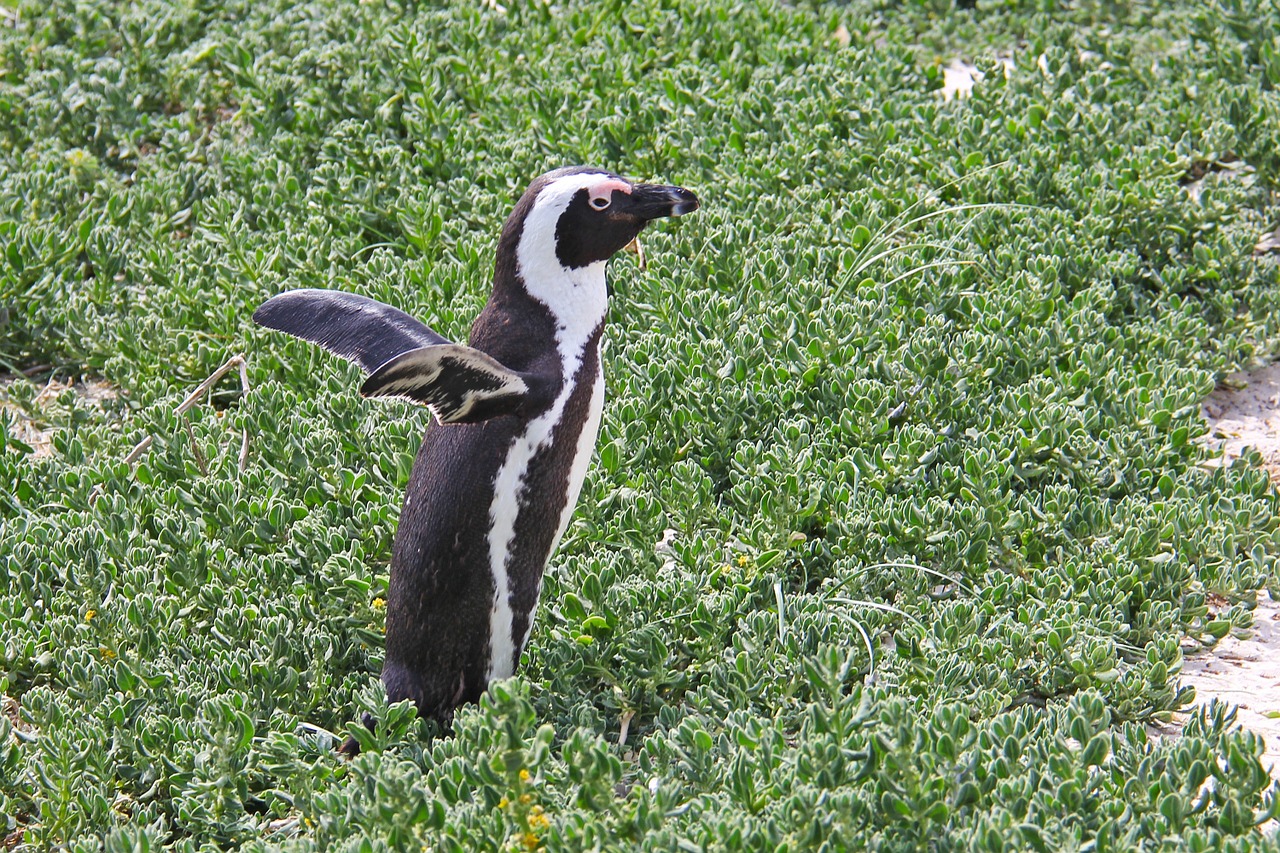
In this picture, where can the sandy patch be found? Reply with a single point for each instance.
(31, 423)
(1269, 244)
(1245, 412)
(1245, 670)
(959, 77)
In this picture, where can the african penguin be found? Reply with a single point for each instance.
(496, 479)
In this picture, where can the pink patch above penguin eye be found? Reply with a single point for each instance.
(600, 195)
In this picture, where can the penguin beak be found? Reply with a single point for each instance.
(653, 201)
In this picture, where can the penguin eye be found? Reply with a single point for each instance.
(600, 202)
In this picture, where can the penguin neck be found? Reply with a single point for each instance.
(529, 279)
(577, 299)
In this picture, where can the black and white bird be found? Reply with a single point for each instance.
(518, 410)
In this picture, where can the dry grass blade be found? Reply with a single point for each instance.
(871, 650)
(782, 619)
(236, 361)
(943, 576)
(877, 247)
(203, 387)
(876, 605)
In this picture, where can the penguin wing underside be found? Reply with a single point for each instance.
(355, 327)
(457, 383)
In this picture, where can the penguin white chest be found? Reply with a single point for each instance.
(582, 454)
(515, 495)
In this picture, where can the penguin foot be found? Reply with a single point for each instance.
(350, 747)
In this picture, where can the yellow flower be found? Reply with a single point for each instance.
(530, 840)
(107, 653)
(743, 560)
(503, 803)
(538, 822)
(525, 799)
(89, 614)
(524, 775)
(379, 603)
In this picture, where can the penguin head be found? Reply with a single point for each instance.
(563, 230)
(590, 214)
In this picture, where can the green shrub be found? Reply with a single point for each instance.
(899, 523)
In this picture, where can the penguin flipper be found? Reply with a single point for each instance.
(355, 327)
(457, 383)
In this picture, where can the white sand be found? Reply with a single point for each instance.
(1245, 671)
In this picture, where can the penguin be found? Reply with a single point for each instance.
(515, 417)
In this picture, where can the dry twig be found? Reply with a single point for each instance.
(625, 727)
(186, 405)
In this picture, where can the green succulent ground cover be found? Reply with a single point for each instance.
(915, 393)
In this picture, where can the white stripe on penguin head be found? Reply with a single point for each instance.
(576, 296)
